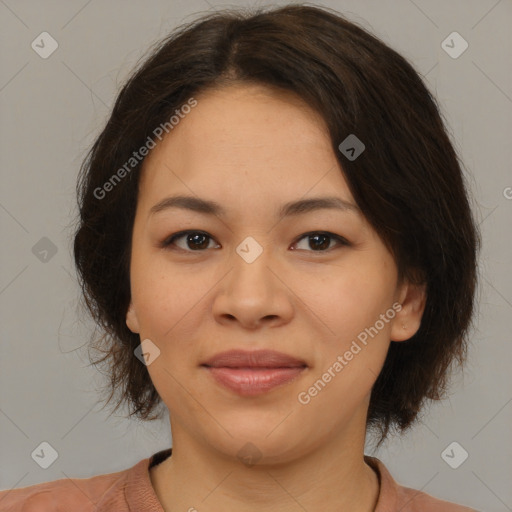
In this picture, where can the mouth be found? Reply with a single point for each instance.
(253, 373)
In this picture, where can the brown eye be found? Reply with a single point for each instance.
(193, 241)
(320, 241)
(198, 241)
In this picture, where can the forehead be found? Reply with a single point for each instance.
(248, 141)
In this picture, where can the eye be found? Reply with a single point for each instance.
(320, 240)
(196, 240)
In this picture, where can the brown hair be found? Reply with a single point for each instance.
(408, 182)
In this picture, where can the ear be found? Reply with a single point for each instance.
(406, 323)
(131, 319)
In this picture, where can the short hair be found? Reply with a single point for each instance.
(408, 182)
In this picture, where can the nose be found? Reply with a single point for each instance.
(254, 293)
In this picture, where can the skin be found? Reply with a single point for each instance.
(251, 149)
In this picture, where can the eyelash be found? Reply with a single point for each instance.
(168, 242)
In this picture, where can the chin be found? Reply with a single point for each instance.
(261, 442)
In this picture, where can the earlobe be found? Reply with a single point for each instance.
(131, 319)
(407, 321)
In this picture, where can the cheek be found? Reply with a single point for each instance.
(351, 299)
(354, 348)
(170, 305)
(160, 298)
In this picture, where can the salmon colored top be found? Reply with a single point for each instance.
(130, 490)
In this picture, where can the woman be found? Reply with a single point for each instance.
(276, 237)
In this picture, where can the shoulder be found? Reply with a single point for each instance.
(77, 494)
(393, 497)
(411, 500)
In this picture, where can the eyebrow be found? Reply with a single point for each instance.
(292, 208)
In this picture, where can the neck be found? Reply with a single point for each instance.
(331, 478)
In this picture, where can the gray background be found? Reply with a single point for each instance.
(51, 110)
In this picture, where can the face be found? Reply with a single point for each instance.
(316, 284)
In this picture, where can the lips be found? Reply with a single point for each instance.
(253, 373)
(253, 359)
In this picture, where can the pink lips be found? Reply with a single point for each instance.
(253, 373)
